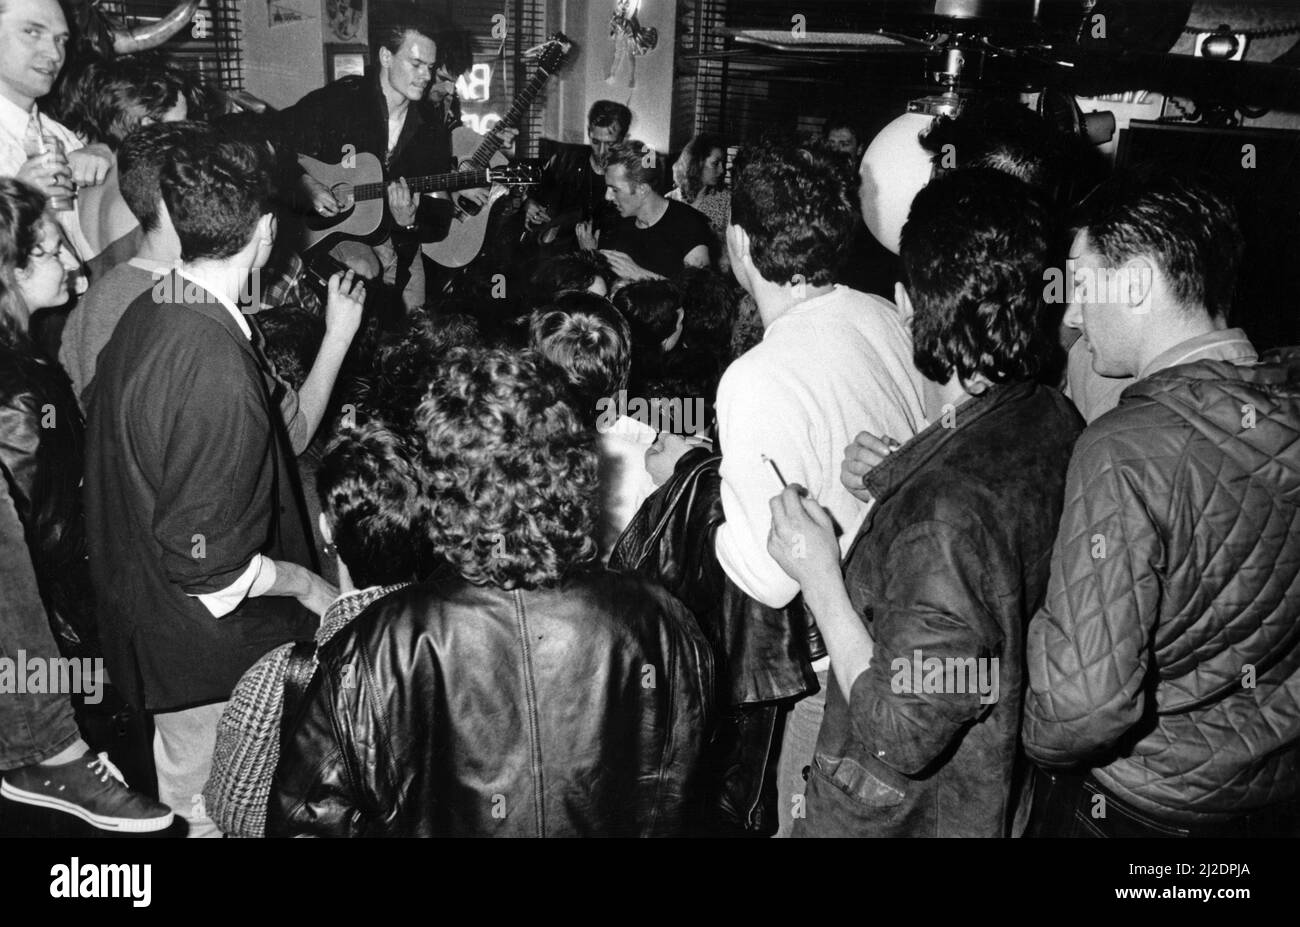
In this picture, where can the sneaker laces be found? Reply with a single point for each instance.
(103, 767)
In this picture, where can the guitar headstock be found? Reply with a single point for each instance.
(552, 54)
(518, 174)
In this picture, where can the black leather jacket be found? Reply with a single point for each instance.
(449, 709)
(42, 458)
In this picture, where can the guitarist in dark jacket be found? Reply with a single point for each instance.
(382, 114)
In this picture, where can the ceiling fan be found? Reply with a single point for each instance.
(1082, 47)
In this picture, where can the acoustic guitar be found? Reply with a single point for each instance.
(469, 222)
(358, 182)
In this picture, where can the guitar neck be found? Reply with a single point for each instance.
(429, 183)
(491, 143)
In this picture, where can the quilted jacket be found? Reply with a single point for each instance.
(1167, 656)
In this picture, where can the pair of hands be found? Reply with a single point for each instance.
(802, 537)
(57, 174)
(619, 261)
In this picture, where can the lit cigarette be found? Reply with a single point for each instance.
(772, 463)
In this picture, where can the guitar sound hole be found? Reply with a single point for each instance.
(468, 206)
(343, 193)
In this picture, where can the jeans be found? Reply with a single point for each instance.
(802, 725)
(1070, 804)
(384, 256)
(34, 726)
(183, 742)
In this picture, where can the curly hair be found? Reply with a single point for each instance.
(973, 253)
(510, 470)
(695, 153)
(371, 493)
(22, 217)
(795, 205)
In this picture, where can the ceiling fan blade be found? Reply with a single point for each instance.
(1239, 82)
(822, 42)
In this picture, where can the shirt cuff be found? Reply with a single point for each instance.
(254, 581)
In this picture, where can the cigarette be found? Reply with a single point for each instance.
(775, 469)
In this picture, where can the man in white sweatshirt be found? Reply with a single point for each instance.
(833, 362)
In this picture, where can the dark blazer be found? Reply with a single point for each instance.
(352, 112)
(951, 563)
(189, 475)
(449, 709)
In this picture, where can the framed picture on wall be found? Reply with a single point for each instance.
(342, 60)
(345, 21)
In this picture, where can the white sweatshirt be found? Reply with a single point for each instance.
(827, 369)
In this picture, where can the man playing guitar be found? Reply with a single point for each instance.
(385, 114)
(573, 184)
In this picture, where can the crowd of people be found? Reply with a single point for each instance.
(678, 535)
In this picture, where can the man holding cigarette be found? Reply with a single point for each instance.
(833, 362)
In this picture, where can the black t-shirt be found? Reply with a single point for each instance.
(661, 247)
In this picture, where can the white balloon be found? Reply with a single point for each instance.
(893, 170)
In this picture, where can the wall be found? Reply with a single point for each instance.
(583, 81)
(285, 61)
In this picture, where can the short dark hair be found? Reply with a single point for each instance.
(1188, 229)
(216, 190)
(511, 471)
(576, 270)
(1001, 134)
(650, 307)
(105, 101)
(606, 113)
(392, 34)
(140, 162)
(709, 304)
(639, 161)
(973, 252)
(455, 49)
(588, 341)
(372, 496)
(796, 207)
(841, 121)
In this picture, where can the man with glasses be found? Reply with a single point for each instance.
(383, 114)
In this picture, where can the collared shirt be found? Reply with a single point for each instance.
(13, 155)
(1229, 344)
(261, 573)
(1095, 395)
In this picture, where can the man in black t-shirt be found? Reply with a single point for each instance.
(655, 236)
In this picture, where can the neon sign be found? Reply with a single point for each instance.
(475, 90)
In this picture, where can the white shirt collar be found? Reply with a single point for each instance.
(14, 119)
(230, 307)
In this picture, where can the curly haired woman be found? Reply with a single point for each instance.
(527, 692)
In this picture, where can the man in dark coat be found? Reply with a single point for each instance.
(922, 722)
(384, 114)
(198, 542)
